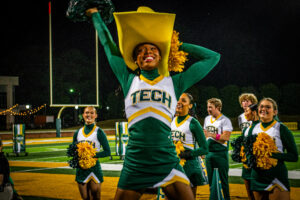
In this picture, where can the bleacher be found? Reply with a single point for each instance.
(293, 126)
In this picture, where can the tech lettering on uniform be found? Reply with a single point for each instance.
(212, 129)
(151, 95)
(178, 135)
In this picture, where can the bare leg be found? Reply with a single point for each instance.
(277, 194)
(194, 190)
(127, 194)
(249, 192)
(261, 195)
(83, 189)
(95, 190)
(178, 191)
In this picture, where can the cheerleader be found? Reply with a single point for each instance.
(89, 180)
(150, 97)
(251, 114)
(273, 183)
(187, 129)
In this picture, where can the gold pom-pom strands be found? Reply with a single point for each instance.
(263, 148)
(179, 149)
(176, 58)
(86, 154)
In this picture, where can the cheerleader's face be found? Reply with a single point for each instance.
(213, 110)
(249, 115)
(266, 111)
(183, 105)
(89, 115)
(147, 56)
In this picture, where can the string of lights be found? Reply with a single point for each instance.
(8, 110)
(23, 113)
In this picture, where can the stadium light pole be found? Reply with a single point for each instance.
(50, 50)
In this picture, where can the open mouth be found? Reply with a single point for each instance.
(149, 59)
(179, 106)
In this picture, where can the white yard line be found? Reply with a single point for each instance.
(41, 159)
(40, 169)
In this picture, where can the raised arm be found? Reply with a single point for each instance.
(197, 71)
(112, 52)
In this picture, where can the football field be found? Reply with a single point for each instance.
(47, 159)
(54, 150)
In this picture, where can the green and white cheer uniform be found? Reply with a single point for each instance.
(243, 122)
(266, 180)
(246, 173)
(217, 156)
(97, 137)
(150, 100)
(188, 130)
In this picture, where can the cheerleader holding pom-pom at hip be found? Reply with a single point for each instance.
(239, 146)
(187, 130)
(145, 43)
(269, 175)
(85, 151)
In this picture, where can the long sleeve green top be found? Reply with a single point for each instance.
(101, 138)
(150, 131)
(290, 153)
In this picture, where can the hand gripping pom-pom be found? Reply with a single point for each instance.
(236, 146)
(76, 11)
(72, 152)
(248, 144)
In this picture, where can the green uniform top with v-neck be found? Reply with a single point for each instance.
(198, 135)
(82, 175)
(277, 175)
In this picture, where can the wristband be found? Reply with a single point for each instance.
(218, 136)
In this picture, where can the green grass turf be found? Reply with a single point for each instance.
(57, 153)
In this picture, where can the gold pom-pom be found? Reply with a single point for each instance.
(176, 58)
(263, 148)
(243, 157)
(179, 149)
(86, 153)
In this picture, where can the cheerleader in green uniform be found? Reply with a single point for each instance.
(251, 115)
(150, 98)
(273, 183)
(89, 180)
(188, 130)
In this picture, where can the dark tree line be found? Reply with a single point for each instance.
(286, 97)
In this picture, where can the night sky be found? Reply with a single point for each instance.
(258, 39)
